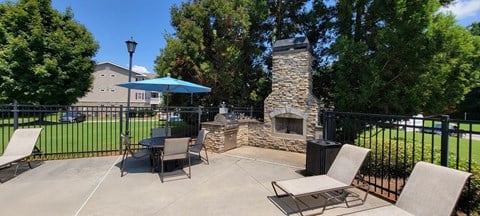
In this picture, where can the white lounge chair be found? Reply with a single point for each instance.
(332, 185)
(430, 190)
(19, 147)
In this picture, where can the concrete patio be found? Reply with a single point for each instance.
(235, 183)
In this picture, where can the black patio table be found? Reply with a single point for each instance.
(153, 142)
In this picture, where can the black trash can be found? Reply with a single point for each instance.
(320, 156)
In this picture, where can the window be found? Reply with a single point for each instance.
(102, 75)
(112, 75)
(102, 90)
(154, 95)
(138, 79)
(139, 95)
(112, 90)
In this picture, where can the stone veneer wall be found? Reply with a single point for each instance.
(291, 89)
(250, 133)
(215, 139)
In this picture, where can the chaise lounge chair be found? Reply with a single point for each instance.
(430, 190)
(330, 186)
(19, 147)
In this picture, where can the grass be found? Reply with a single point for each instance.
(463, 126)
(93, 135)
(467, 148)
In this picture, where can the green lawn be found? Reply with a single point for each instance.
(93, 135)
(423, 139)
(466, 127)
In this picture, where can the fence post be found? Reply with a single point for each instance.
(444, 141)
(329, 125)
(120, 147)
(15, 115)
(325, 122)
(199, 111)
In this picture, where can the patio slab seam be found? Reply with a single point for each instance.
(263, 161)
(97, 186)
(253, 177)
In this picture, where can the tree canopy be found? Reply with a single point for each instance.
(45, 55)
(226, 45)
(470, 106)
(393, 57)
(400, 57)
(209, 46)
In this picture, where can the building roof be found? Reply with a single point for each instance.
(147, 75)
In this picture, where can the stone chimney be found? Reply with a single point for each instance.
(291, 111)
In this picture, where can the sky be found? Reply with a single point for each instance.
(112, 22)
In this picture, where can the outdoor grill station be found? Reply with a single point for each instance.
(222, 130)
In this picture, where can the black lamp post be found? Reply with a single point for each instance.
(131, 45)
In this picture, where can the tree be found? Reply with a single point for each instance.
(454, 70)
(213, 47)
(471, 104)
(317, 25)
(285, 18)
(399, 57)
(45, 55)
(474, 28)
(226, 45)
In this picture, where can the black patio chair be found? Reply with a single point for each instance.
(199, 144)
(175, 149)
(127, 149)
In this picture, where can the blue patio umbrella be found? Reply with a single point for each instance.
(166, 85)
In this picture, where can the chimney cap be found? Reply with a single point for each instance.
(291, 44)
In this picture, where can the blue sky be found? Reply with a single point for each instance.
(112, 22)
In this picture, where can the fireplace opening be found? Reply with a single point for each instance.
(289, 123)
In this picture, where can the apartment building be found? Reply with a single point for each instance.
(105, 92)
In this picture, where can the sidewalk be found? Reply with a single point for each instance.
(235, 183)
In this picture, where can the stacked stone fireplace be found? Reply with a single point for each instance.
(291, 110)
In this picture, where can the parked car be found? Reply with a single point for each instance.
(437, 129)
(71, 117)
(174, 118)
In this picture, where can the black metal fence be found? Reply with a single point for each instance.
(398, 142)
(85, 131)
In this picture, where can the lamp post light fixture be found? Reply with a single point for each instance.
(131, 45)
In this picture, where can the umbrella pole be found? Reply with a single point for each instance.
(168, 114)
